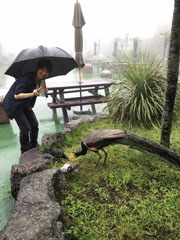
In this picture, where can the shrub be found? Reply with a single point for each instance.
(138, 96)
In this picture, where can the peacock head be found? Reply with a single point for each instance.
(77, 154)
(83, 152)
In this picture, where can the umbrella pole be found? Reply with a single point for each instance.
(80, 81)
(45, 89)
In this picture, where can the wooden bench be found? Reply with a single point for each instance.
(89, 100)
(78, 102)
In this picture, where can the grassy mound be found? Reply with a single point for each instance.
(136, 196)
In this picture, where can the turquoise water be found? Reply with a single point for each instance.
(49, 123)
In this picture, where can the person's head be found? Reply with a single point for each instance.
(44, 68)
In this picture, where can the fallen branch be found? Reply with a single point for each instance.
(145, 145)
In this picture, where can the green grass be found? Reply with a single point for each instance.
(136, 196)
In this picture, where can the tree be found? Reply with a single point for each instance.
(172, 76)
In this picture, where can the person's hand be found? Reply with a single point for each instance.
(36, 91)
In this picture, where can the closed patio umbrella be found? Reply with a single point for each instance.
(78, 23)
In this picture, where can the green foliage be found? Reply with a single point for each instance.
(136, 196)
(139, 94)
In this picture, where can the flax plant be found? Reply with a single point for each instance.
(139, 94)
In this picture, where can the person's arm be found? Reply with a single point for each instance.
(27, 95)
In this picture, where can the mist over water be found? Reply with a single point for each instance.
(5, 81)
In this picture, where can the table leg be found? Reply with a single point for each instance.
(107, 94)
(64, 110)
(65, 115)
(54, 96)
(106, 91)
(61, 95)
(93, 108)
(55, 116)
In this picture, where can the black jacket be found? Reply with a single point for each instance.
(25, 84)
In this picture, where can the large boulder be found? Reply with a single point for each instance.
(50, 139)
(29, 162)
(36, 215)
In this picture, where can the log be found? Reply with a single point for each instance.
(148, 146)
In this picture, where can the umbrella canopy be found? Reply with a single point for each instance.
(78, 23)
(27, 60)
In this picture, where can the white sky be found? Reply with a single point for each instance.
(30, 23)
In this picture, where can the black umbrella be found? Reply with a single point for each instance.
(27, 60)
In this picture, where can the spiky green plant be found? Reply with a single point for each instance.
(139, 94)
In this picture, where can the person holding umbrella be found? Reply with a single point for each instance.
(30, 69)
(20, 100)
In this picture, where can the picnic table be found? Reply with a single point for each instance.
(59, 92)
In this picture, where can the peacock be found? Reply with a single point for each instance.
(99, 139)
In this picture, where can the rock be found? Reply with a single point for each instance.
(34, 154)
(92, 118)
(88, 68)
(50, 139)
(106, 74)
(74, 123)
(55, 153)
(29, 162)
(77, 121)
(36, 215)
(66, 130)
(87, 118)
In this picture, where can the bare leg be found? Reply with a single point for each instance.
(106, 154)
(98, 158)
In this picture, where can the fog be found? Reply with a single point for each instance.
(30, 23)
